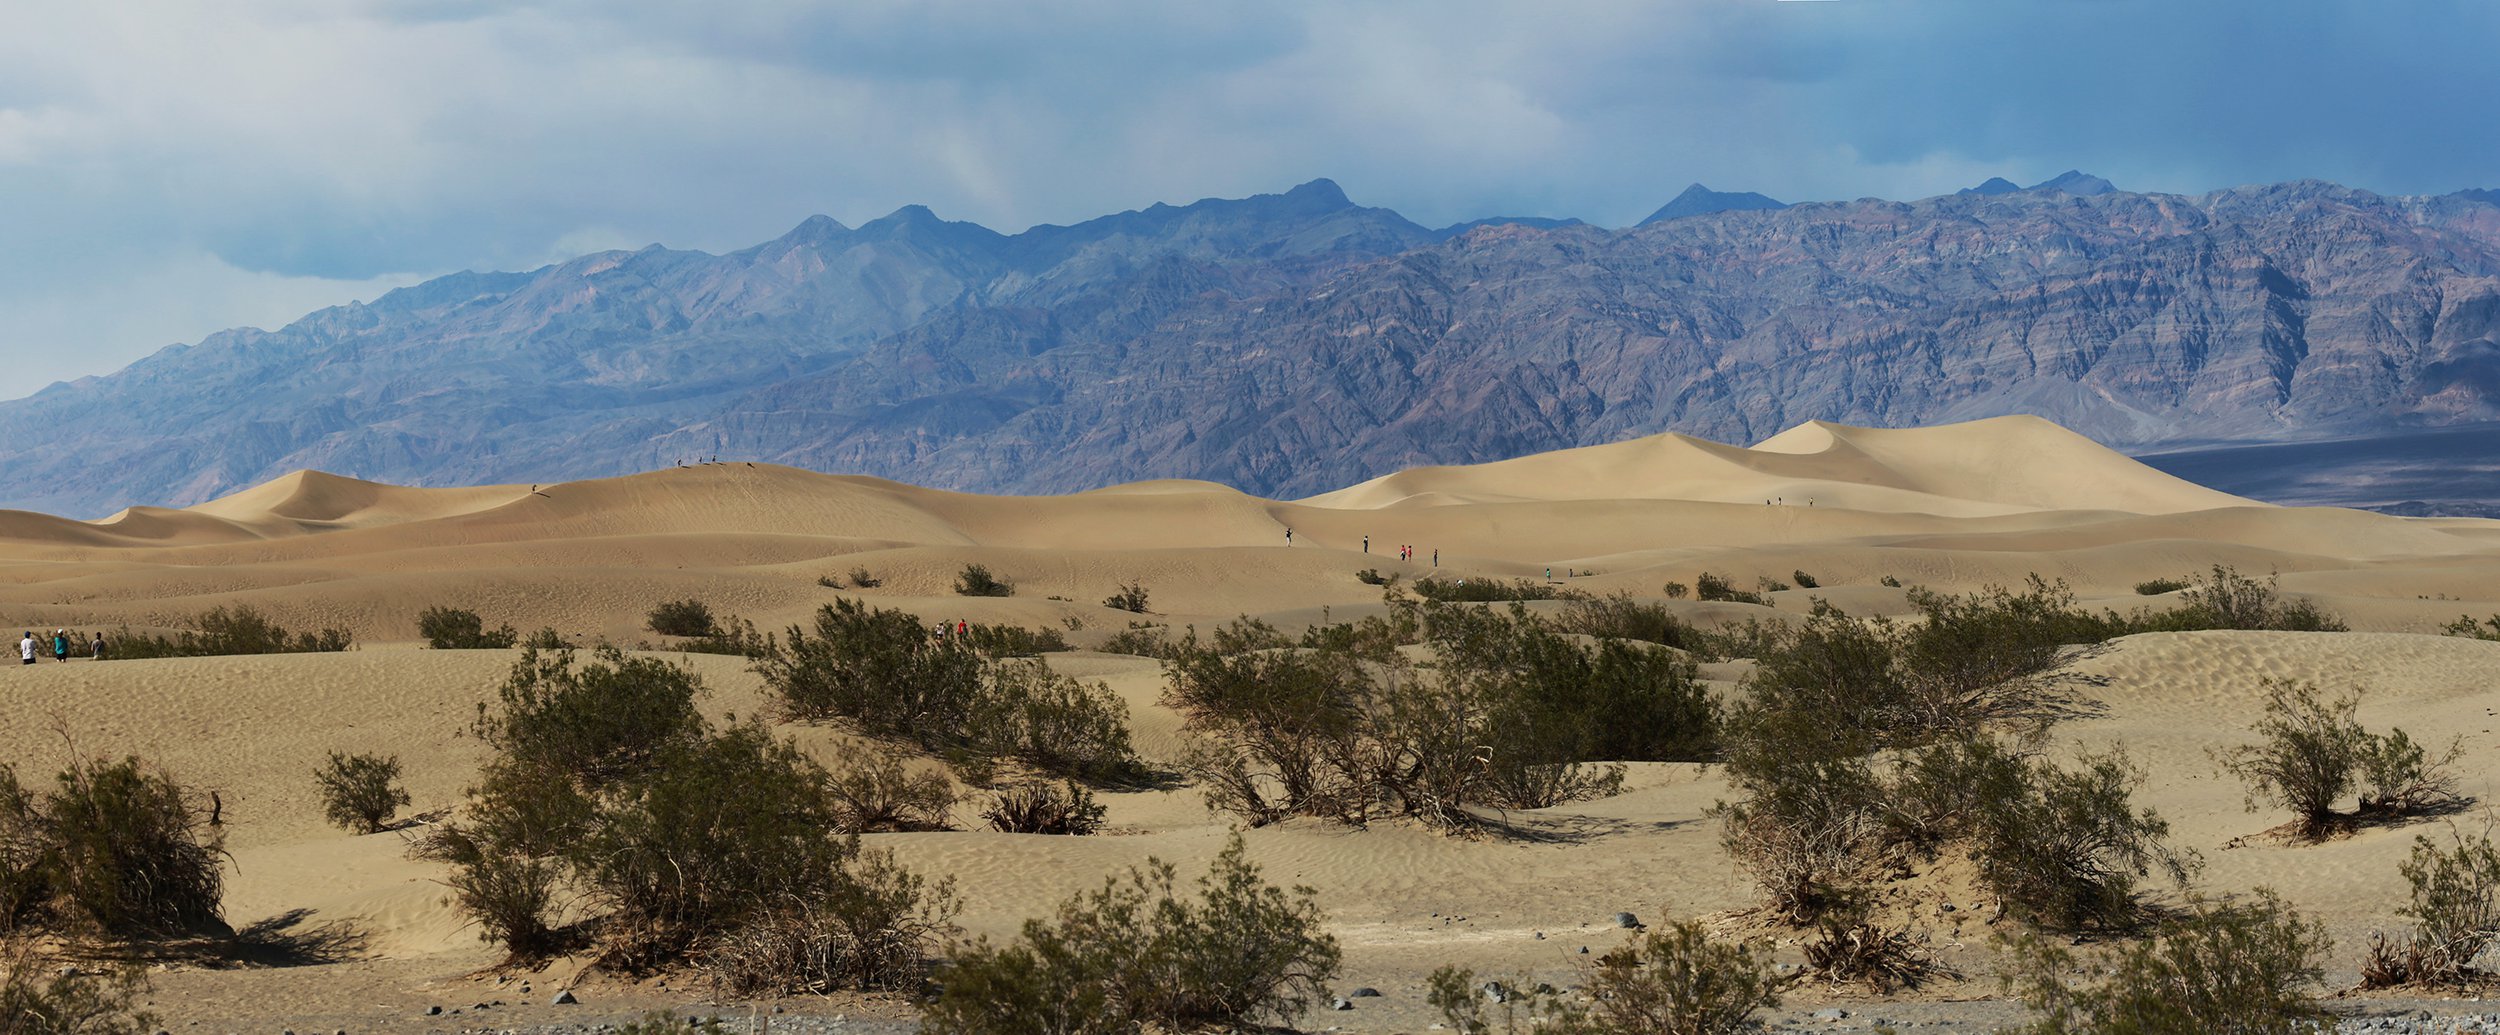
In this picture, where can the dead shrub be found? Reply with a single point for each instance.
(1038, 807)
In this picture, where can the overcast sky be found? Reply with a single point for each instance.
(169, 169)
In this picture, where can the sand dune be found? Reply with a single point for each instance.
(1954, 508)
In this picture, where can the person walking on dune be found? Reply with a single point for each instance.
(98, 645)
(26, 647)
(60, 645)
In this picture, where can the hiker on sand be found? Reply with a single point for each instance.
(1367, 544)
(60, 645)
(98, 647)
(26, 647)
(1289, 537)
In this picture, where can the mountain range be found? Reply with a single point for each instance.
(1290, 343)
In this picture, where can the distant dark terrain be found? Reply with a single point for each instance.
(1292, 343)
(2449, 472)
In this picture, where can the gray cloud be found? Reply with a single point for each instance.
(178, 167)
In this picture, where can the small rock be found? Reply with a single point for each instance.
(1540, 936)
(1496, 991)
(564, 998)
(434, 1011)
(1833, 1014)
(1627, 921)
(1948, 907)
(1342, 1004)
(1365, 992)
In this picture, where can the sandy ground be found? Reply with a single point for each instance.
(1954, 508)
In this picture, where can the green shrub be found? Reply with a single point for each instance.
(2222, 598)
(1513, 715)
(1053, 722)
(1812, 827)
(1372, 577)
(2224, 967)
(1890, 581)
(861, 578)
(2060, 848)
(448, 628)
(2456, 908)
(1481, 590)
(1138, 953)
(229, 631)
(1036, 807)
(976, 581)
(1015, 641)
(360, 792)
(1768, 584)
(1619, 617)
(2157, 587)
(547, 638)
(2466, 626)
(876, 792)
(2310, 756)
(879, 670)
(687, 841)
(1675, 590)
(39, 1000)
(2399, 778)
(1672, 981)
(116, 849)
(1987, 656)
(1714, 586)
(1131, 598)
(1141, 641)
(1804, 581)
(682, 618)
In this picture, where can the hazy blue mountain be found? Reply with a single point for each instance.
(1698, 200)
(1531, 222)
(1290, 343)
(2074, 182)
(1993, 185)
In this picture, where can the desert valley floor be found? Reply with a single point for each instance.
(1952, 508)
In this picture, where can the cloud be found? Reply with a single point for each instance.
(280, 150)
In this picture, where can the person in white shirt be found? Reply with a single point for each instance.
(26, 647)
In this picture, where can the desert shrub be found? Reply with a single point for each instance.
(2223, 967)
(1479, 591)
(1142, 641)
(1037, 807)
(1990, 655)
(2060, 848)
(1130, 598)
(2456, 908)
(1848, 946)
(682, 618)
(450, 628)
(117, 848)
(1671, 981)
(1374, 638)
(546, 638)
(1675, 590)
(878, 668)
(2400, 778)
(1513, 715)
(1768, 584)
(2314, 754)
(2222, 598)
(229, 631)
(40, 1000)
(1811, 827)
(2466, 626)
(872, 929)
(1803, 580)
(684, 839)
(977, 581)
(360, 792)
(863, 579)
(875, 791)
(1843, 669)
(1015, 641)
(1139, 953)
(1372, 577)
(1053, 722)
(588, 724)
(732, 636)
(1890, 581)
(1714, 586)
(1619, 617)
(2157, 587)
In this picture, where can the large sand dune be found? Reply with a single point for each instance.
(1954, 507)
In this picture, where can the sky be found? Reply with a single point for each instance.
(169, 168)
